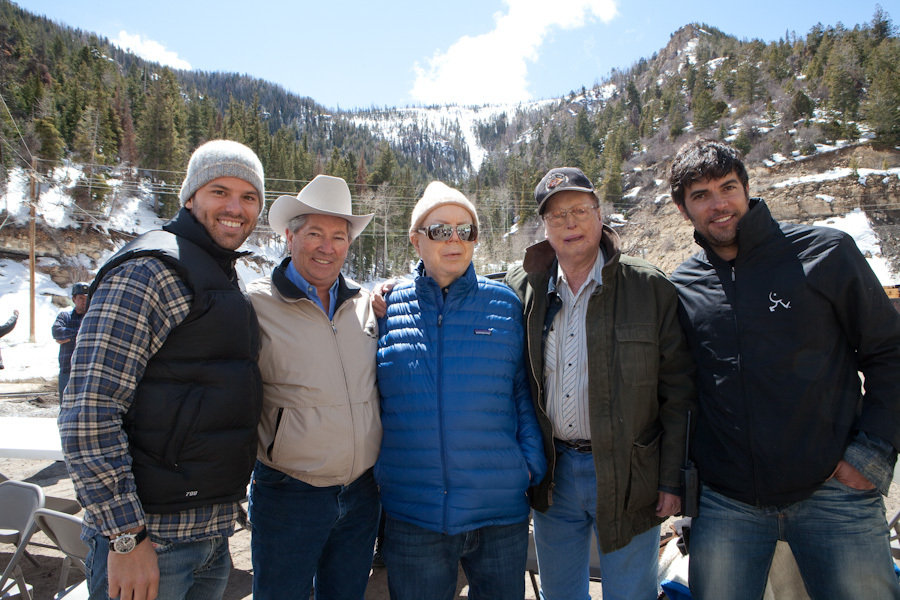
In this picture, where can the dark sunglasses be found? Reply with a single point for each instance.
(441, 232)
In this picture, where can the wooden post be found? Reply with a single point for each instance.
(31, 242)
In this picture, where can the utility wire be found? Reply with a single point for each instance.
(17, 130)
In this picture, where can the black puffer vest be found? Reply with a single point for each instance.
(192, 425)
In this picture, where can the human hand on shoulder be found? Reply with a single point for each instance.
(379, 292)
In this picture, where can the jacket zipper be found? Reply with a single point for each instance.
(740, 370)
(346, 390)
(541, 405)
(440, 407)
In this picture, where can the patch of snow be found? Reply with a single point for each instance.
(857, 224)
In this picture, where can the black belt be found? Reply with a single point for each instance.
(576, 445)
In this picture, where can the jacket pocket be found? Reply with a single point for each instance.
(637, 347)
(644, 475)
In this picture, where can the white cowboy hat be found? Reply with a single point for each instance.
(324, 195)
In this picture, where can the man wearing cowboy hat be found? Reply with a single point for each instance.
(313, 500)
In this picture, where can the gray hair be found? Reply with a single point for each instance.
(295, 223)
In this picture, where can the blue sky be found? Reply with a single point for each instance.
(359, 54)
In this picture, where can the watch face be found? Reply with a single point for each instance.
(124, 543)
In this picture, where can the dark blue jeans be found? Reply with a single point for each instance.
(61, 384)
(187, 570)
(838, 535)
(304, 535)
(423, 564)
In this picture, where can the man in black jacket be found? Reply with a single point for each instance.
(781, 319)
(158, 422)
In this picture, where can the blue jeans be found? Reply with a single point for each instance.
(838, 535)
(301, 532)
(424, 564)
(562, 538)
(61, 384)
(195, 570)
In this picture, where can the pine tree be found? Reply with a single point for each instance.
(159, 141)
(882, 105)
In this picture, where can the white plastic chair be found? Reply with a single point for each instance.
(18, 503)
(64, 531)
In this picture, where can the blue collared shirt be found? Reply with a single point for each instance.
(310, 290)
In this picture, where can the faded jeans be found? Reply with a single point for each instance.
(195, 570)
(838, 535)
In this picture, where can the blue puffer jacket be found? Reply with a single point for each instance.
(460, 435)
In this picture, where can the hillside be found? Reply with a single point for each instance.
(808, 104)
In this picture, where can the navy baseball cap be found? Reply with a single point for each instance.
(80, 288)
(561, 179)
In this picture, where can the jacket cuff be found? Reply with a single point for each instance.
(874, 458)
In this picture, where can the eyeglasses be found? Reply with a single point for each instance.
(558, 217)
(441, 232)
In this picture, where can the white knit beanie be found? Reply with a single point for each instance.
(223, 158)
(438, 194)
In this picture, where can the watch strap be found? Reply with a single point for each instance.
(137, 538)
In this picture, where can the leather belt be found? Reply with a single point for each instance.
(576, 445)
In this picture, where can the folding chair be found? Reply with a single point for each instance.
(65, 532)
(57, 503)
(18, 502)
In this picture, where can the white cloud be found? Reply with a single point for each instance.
(150, 50)
(493, 67)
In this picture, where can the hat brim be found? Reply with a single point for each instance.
(286, 208)
(565, 189)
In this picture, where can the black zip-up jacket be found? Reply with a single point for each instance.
(779, 336)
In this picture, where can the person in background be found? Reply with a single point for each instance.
(612, 382)
(461, 444)
(65, 330)
(158, 422)
(8, 327)
(313, 502)
(790, 443)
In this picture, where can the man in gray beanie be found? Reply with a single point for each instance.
(158, 422)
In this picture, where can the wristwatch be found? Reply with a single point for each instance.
(125, 543)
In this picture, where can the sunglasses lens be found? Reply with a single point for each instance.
(440, 232)
(466, 233)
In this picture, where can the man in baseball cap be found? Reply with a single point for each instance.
(611, 378)
(158, 422)
(65, 328)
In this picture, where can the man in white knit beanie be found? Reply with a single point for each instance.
(158, 420)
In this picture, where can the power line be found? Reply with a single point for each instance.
(17, 131)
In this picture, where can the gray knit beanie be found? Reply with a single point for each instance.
(223, 158)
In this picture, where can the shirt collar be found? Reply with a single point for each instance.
(310, 290)
(595, 275)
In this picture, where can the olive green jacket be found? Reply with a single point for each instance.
(641, 378)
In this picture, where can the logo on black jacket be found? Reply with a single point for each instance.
(776, 302)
